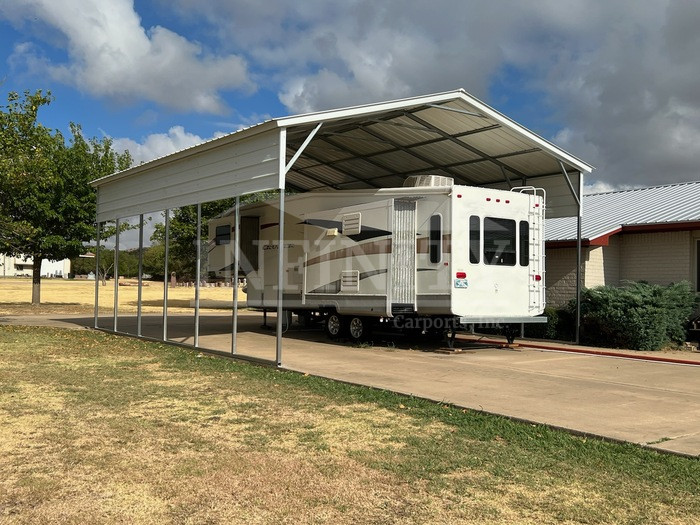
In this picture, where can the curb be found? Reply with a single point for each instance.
(604, 353)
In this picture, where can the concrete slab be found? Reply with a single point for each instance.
(650, 403)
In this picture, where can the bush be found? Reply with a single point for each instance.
(560, 325)
(638, 316)
(546, 330)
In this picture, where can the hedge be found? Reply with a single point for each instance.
(638, 316)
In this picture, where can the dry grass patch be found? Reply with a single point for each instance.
(64, 296)
(102, 429)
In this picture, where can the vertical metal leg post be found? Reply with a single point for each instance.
(97, 274)
(116, 275)
(139, 299)
(234, 276)
(198, 271)
(578, 260)
(165, 276)
(280, 280)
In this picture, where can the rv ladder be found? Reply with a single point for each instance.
(536, 289)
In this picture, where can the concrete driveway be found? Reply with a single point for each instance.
(650, 403)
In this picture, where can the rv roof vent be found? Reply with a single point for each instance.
(428, 180)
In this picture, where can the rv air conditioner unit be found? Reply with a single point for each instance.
(427, 180)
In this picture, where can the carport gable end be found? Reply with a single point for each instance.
(447, 250)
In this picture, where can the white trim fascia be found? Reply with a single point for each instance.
(209, 145)
(367, 109)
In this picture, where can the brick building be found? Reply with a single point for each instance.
(648, 234)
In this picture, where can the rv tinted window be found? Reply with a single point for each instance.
(223, 235)
(435, 247)
(474, 239)
(524, 243)
(499, 241)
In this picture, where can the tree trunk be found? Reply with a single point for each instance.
(36, 280)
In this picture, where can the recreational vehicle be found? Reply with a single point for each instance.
(430, 255)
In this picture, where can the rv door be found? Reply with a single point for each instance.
(403, 257)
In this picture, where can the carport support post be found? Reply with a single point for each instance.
(165, 275)
(284, 167)
(578, 259)
(280, 280)
(116, 275)
(198, 265)
(234, 276)
(97, 273)
(280, 241)
(577, 197)
(139, 298)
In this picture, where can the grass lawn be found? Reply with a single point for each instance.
(101, 429)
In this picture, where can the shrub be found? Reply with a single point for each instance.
(560, 325)
(638, 315)
(544, 330)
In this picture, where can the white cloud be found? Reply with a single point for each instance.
(619, 77)
(159, 144)
(327, 54)
(113, 56)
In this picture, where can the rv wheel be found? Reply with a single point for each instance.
(358, 328)
(334, 325)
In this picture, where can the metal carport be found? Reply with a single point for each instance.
(369, 146)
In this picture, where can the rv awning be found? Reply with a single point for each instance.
(370, 146)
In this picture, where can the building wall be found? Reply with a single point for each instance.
(560, 276)
(603, 265)
(594, 270)
(659, 258)
(15, 266)
(23, 266)
(55, 268)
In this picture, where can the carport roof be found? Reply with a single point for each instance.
(379, 145)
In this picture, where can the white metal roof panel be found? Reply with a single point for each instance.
(606, 212)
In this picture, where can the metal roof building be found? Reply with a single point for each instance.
(643, 209)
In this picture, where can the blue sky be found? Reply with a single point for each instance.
(614, 83)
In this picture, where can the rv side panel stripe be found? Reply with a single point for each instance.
(368, 248)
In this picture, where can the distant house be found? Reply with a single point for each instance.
(648, 234)
(23, 266)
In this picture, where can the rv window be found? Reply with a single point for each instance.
(499, 241)
(435, 247)
(524, 243)
(474, 239)
(223, 235)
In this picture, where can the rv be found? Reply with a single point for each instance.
(431, 254)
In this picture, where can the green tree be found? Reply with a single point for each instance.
(47, 208)
(83, 265)
(183, 231)
(154, 261)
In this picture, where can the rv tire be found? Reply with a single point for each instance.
(358, 328)
(334, 325)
